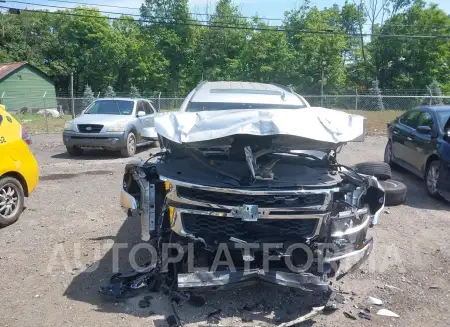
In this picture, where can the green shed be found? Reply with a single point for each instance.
(22, 85)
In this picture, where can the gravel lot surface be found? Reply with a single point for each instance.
(74, 213)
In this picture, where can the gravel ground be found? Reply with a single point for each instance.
(48, 258)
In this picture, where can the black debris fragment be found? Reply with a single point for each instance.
(349, 315)
(148, 297)
(196, 301)
(172, 321)
(363, 314)
(212, 316)
(144, 303)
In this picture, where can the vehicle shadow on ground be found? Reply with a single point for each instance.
(417, 196)
(98, 154)
(263, 302)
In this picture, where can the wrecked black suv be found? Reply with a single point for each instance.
(248, 175)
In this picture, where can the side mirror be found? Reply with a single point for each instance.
(423, 130)
(141, 113)
(447, 135)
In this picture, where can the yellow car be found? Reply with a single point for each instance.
(19, 171)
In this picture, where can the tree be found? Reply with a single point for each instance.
(134, 92)
(314, 54)
(414, 62)
(88, 96)
(109, 92)
(376, 102)
(436, 93)
(168, 21)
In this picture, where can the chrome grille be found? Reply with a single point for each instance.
(89, 128)
(262, 201)
(222, 228)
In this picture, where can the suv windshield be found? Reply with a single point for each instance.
(110, 107)
(212, 106)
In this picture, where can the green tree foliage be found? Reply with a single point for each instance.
(169, 50)
(134, 92)
(109, 92)
(413, 62)
(436, 93)
(377, 100)
(88, 96)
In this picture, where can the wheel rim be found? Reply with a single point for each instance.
(432, 178)
(388, 153)
(9, 200)
(131, 144)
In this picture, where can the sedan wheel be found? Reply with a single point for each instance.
(388, 153)
(11, 201)
(130, 147)
(432, 178)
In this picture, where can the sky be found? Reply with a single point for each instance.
(264, 8)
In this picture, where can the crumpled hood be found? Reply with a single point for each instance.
(315, 123)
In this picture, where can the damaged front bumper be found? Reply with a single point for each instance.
(209, 216)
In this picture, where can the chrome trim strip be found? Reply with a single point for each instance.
(173, 196)
(353, 230)
(152, 209)
(367, 247)
(249, 192)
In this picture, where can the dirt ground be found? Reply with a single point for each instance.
(55, 258)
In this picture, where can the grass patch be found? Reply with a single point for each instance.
(376, 120)
(36, 124)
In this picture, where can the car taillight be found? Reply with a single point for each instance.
(25, 136)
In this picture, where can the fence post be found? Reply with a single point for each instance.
(159, 102)
(431, 95)
(45, 112)
(356, 100)
(71, 95)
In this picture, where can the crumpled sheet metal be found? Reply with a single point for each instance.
(312, 123)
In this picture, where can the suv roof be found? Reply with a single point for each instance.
(243, 92)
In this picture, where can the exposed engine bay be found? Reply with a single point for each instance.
(245, 192)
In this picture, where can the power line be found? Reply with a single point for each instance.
(238, 27)
(212, 15)
(190, 13)
(134, 8)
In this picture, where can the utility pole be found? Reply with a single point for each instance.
(322, 82)
(71, 95)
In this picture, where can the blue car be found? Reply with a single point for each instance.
(419, 141)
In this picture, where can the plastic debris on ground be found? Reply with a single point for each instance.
(387, 313)
(374, 301)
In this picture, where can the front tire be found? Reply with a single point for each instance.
(130, 147)
(11, 200)
(74, 151)
(431, 178)
(388, 153)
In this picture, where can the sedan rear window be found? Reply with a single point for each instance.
(212, 106)
(110, 107)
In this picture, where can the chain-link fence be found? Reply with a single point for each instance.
(365, 102)
(74, 106)
(374, 102)
(346, 102)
